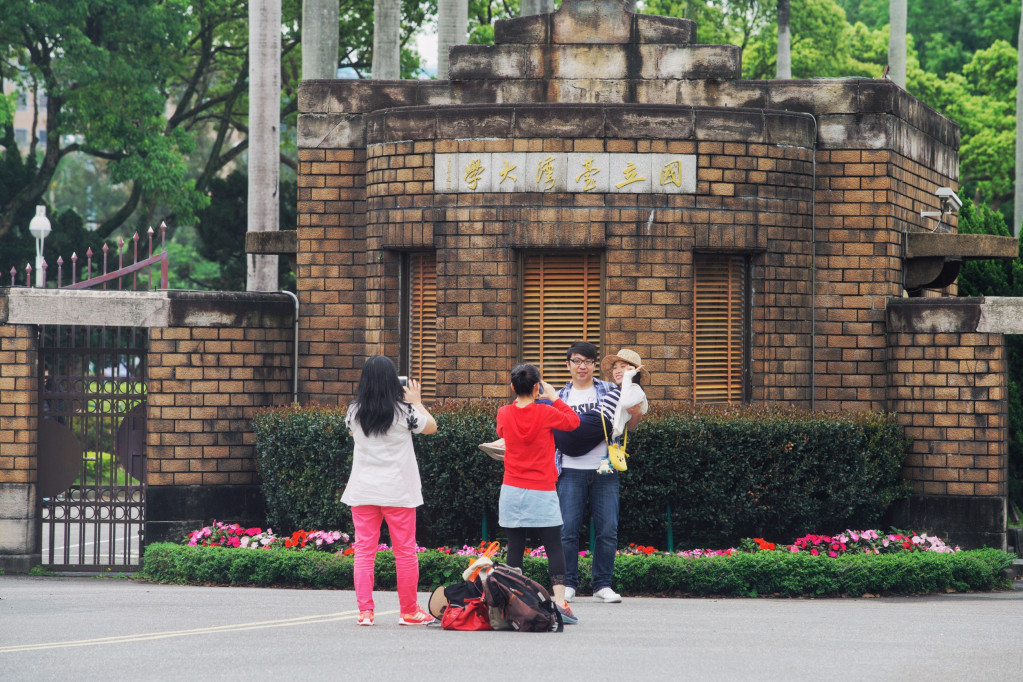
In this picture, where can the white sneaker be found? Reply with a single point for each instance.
(607, 595)
(569, 593)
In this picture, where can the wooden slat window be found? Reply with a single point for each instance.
(561, 303)
(422, 321)
(720, 302)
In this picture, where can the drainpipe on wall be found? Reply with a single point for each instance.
(813, 271)
(294, 365)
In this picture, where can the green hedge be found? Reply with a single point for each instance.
(726, 473)
(743, 575)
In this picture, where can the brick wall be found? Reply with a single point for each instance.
(753, 198)
(865, 200)
(331, 270)
(19, 403)
(205, 384)
(222, 357)
(948, 385)
(19, 428)
(948, 390)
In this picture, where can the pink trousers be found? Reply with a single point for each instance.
(401, 524)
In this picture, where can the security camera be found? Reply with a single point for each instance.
(950, 203)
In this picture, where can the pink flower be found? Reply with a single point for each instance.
(814, 552)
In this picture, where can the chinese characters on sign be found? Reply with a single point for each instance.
(565, 172)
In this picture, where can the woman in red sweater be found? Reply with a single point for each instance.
(529, 498)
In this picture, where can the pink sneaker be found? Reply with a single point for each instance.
(417, 617)
(365, 618)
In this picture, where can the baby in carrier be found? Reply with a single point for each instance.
(608, 419)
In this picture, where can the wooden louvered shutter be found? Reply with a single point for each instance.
(561, 303)
(422, 328)
(719, 319)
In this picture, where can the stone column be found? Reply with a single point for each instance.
(19, 428)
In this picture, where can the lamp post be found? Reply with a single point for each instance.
(40, 228)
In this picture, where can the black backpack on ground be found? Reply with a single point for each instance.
(524, 603)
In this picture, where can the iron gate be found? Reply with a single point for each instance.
(92, 440)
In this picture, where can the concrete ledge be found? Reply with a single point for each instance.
(88, 307)
(614, 121)
(229, 309)
(960, 246)
(987, 315)
(1001, 315)
(538, 29)
(277, 242)
(933, 315)
(148, 308)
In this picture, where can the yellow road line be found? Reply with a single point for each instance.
(238, 627)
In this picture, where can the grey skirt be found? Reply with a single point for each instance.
(522, 508)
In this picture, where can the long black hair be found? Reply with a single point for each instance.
(380, 393)
(524, 378)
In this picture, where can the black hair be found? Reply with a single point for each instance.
(380, 393)
(583, 348)
(524, 378)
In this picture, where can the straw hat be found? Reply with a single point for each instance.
(625, 355)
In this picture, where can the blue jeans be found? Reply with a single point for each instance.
(574, 487)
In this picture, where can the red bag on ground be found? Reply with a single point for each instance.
(475, 615)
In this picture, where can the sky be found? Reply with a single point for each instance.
(426, 44)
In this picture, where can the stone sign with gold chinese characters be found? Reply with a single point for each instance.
(565, 172)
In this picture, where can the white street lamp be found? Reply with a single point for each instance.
(40, 228)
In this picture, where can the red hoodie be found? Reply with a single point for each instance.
(529, 443)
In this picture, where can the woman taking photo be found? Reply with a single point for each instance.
(384, 484)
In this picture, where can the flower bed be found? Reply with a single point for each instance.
(853, 563)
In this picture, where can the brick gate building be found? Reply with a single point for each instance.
(593, 174)
(598, 174)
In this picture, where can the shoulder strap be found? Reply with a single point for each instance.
(625, 439)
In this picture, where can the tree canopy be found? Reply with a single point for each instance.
(145, 105)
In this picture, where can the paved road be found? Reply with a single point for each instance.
(89, 543)
(89, 628)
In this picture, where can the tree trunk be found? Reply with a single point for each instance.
(386, 39)
(529, 7)
(1017, 215)
(319, 38)
(784, 41)
(452, 29)
(264, 134)
(897, 41)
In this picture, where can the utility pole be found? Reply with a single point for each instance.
(264, 135)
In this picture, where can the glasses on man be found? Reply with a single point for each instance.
(579, 362)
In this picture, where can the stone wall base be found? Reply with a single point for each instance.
(970, 522)
(19, 528)
(19, 563)
(174, 511)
